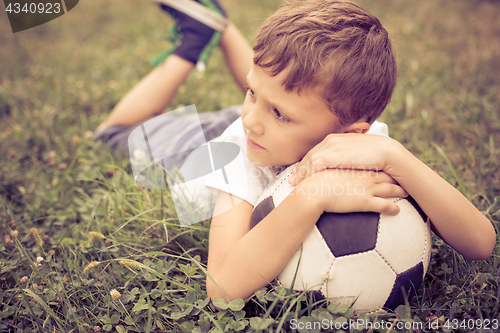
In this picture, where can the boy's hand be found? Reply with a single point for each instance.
(350, 190)
(345, 151)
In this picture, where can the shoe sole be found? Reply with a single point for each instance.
(198, 12)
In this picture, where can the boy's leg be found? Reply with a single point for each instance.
(155, 92)
(196, 25)
(151, 95)
(236, 49)
(238, 54)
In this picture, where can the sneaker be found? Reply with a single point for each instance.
(199, 25)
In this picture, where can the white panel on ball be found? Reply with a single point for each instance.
(362, 281)
(313, 257)
(402, 238)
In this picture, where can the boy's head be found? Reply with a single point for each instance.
(334, 47)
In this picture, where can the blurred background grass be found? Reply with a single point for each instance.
(64, 77)
(60, 80)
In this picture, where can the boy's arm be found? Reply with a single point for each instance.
(454, 217)
(242, 261)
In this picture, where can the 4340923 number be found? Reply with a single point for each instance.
(471, 324)
(34, 8)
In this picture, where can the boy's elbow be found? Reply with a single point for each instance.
(488, 244)
(221, 291)
(483, 248)
(486, 252)
(214, 291)
(479, 254)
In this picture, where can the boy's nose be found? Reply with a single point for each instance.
(254, 121)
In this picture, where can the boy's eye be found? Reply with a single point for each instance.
(250, 92)
(279, 115)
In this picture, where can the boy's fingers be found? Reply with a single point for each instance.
(392, 209)
(303, 168)
(385, 206)
(382, 177)
(401, 192)
(297, 175)
(388, 190)
(302, 171)
(309, 163)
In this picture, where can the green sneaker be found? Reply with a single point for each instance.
(199, 26)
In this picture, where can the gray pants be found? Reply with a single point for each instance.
(174, 131)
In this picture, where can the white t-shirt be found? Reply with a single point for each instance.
(241, 179)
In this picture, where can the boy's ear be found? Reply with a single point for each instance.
(360, 127)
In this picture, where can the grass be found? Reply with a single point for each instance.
(98, 232)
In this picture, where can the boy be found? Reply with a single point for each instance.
(323, 71)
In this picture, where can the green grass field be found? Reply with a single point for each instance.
(73, 202)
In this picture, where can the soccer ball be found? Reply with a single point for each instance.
(365, 260)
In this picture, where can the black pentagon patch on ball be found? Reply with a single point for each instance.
(261, 210)
(410, 281)
(349, 233)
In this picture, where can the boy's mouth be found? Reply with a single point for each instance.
(253, 145)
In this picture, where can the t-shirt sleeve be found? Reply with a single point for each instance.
(239, 177)
(379, 128)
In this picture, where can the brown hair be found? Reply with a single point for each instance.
(336, 46)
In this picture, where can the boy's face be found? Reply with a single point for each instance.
(281, 127)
